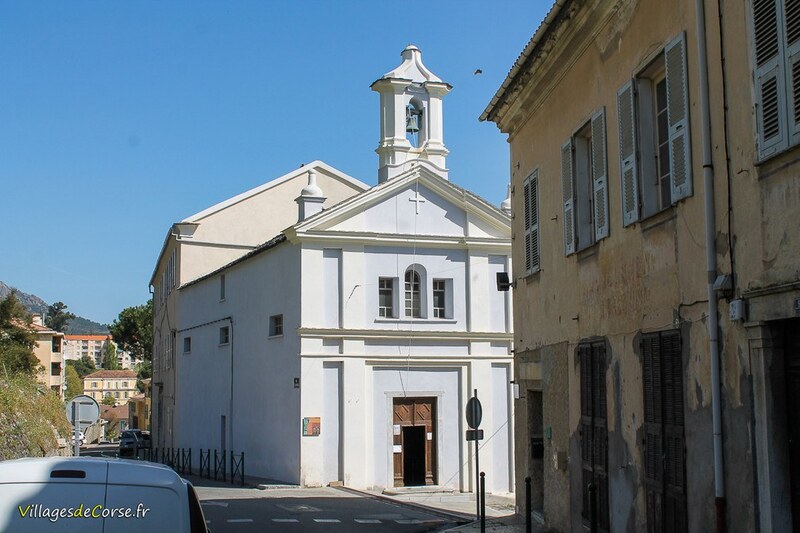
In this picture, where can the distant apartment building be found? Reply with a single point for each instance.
(76, 346)
(48, 350)
(119, 384)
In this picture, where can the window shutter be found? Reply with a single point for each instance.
(770, 87)
(626, 119)
(531, 203)
(568, 190)
(680, 153)
(791, 22)
(600, 175)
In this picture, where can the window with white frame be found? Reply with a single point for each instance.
(654, 138)
(386, 297)
(224, 335)
(412, 294)
(439, 298)
(530, 191)
(583, 185)
(776, 56)
(275, 325)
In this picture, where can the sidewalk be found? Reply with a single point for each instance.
(500, 515)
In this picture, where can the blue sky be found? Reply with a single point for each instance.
(119, 118)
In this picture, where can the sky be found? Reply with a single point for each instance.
(119, 118)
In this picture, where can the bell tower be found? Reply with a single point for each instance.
(411, 117)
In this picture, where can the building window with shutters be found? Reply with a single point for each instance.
(583, 181)
(530, 192)
(776, 53)
(594, 433)
(654, 138)
(664, 443)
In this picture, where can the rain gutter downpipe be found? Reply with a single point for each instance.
(711, 269)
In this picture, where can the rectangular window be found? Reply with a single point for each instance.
(654, 138)
(222, 287)
(56, 344)
(439, 298)
(531, 208)
(386, 297)
(275, 325)
(583, 185)
(187, 344)
(124, 384)
(55, 369)
(776, 56)
(94, 384)
(224, 335)
(116, 394)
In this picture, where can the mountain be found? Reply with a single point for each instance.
(34, 304)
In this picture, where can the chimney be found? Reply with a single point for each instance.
(311, 199)
(37, 319)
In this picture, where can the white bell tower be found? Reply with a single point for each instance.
(411, 117)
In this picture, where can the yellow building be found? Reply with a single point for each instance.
(140, 408)
(48, 350)
(656, 198)
(119, 384)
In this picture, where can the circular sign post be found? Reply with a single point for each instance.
(474, 412)
(82, 412)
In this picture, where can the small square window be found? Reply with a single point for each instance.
(187, 344)
(224, 335)
(275, 325)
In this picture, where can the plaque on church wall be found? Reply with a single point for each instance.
(397, 448)
(311, 426)
(396, 429)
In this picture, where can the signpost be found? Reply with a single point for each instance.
(82, 412)
(474, 413)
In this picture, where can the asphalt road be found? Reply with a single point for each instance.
(246, 510)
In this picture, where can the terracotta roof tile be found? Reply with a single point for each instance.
(100, 374)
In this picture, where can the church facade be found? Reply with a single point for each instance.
(345, 347)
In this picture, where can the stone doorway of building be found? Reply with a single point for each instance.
(791, 344)
(536, 451)
(414, 441)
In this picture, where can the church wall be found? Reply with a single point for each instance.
(263, 416)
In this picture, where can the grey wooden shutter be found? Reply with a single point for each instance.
(568, 191)
(769, 78)
(791, 26)
(531, 201)
(680, 157)
(600, 175)
(626, 118)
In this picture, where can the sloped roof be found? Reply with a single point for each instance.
(111, 374)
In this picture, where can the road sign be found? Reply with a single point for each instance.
(474, 412)
(86, 411)
(474, 434)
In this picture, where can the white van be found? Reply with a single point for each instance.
(95, 494)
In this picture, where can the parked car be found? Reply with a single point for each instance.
(81, 438)
(96, 495)
(133, 440)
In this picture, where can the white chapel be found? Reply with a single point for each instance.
(343, 345)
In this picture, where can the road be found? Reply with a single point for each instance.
(247, 510)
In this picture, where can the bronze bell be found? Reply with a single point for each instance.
(412, 122)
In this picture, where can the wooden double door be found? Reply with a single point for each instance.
(414, 441)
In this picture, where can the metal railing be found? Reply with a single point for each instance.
(180, 460)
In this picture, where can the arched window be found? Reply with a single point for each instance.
(412, 294)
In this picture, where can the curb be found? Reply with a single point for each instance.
(461, 518)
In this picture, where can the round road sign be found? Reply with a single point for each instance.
(474, 413)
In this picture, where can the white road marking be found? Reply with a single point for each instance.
(327, 520)
(212, 504)
(367, 521)
(416, 522)
(285, 520)
(239, 520)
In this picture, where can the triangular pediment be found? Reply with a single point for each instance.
(417, 202)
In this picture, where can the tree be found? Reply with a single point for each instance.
(16, 339)
(74, 381)
(58, 316)
(110, 361)
(83, 366)
(133, 331)
(109, 400)
(144, 370)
